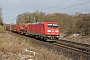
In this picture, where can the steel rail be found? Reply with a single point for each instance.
(79, 47)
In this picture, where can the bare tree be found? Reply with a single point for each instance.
(1, 22)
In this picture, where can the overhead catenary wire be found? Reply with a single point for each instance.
(71, 6)
(81, 11)
(84, 10)
(57, 5)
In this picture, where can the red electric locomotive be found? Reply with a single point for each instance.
(49, 31)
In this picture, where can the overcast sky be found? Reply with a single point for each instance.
(11, 8)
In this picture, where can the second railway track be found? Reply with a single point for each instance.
(78, 47)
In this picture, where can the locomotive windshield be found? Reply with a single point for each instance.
(52, 25)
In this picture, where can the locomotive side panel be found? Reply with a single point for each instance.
(36, 29)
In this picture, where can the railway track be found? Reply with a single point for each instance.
(78, 47)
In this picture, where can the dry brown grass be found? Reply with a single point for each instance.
(11, 45)
(79, 39)
(2, 29)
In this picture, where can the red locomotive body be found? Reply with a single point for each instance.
(45, 30)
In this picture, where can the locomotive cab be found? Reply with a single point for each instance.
(52, 30)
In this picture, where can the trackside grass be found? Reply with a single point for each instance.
(17, 48)
(2, 29)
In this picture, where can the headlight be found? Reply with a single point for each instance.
(56, 31)
(48, 33)
(57, 36)
(48, 30)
